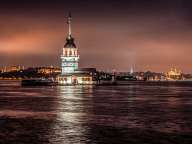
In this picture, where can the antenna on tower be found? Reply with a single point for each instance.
(69, 24)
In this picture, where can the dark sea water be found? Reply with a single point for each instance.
(129, 114)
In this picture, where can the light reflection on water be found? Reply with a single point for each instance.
(70, 115)
(95, 114)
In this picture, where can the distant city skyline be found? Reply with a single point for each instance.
(110, 34)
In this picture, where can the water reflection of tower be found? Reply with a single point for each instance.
(72, 114)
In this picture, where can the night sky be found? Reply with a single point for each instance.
(111, 34)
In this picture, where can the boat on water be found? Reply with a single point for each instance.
(38, 82)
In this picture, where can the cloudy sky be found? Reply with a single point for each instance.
(111, 34)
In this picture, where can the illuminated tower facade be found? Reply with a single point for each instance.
(70, 55)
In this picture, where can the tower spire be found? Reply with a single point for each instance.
(69, 40)
(69, 24)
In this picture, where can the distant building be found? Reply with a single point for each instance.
(11, 69)
(174, 74)
(70, 74)
(49, 70)
(139, 75)
(152, 76)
